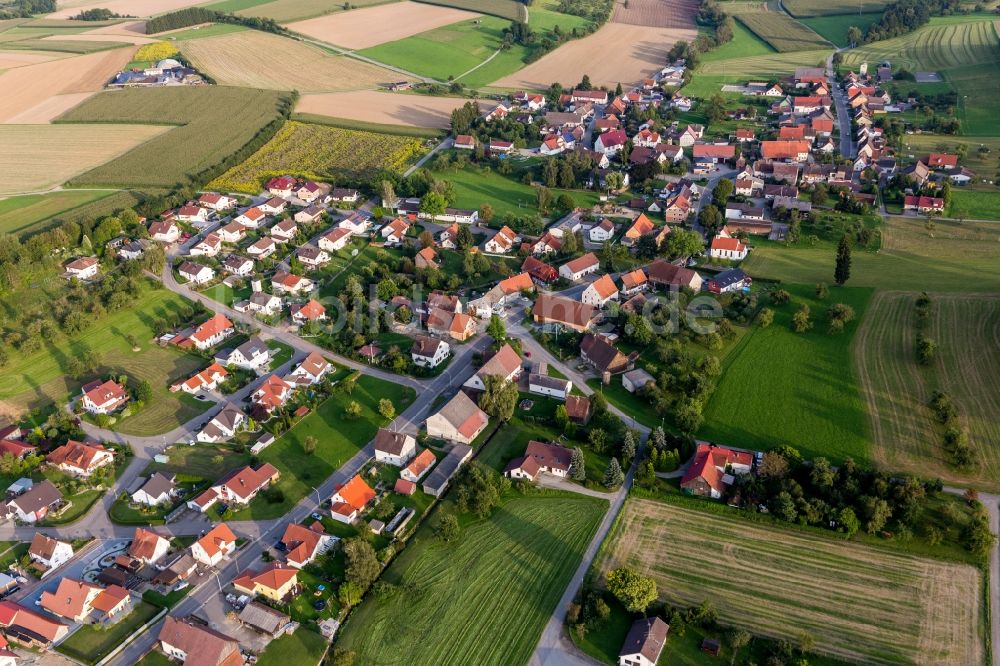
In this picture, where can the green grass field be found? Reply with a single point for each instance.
(505, 9)
(507, 195)
(793, 388)
(977, 205)
(782, 31)
(758, 64)
(91, 643)
(503, 576)
(21, 214)
(834, 28)
(201, 32)
(304, 647)
(949, 257)
(287, 11)
(38, 379)
(338, 438)
(213, 122)
(744, 44)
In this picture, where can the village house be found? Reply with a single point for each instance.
(611, 142)
(192, 214)
(272, 394)
(304, 544)
(196, 273)
(311, 310)
(634, 282)
(254, 217)
(280, 186)
(284, 282)
(640, 227)
(158, 489)
(275, 581)
(505, 364)
(147, 546)
(260, 302)
(437, 481)
(602, 231)
(34, 504)
(48, 552)
(465, 142)
(215, 546)
(635, 380)
(549, 243)
(428, 352)
(600, 291)
(394, 448)
(727, 281)
(216, 202)
(253, 354)
(426, 259)
(307, 192)
(342, 195)
(164, 231)
(310, 371)
(78, 601)
(212, 332)
(335, 240)
(419, 466)
(456, 325)
(576, 269)
(644, 643)
(599, 353)
(84, 268)
(540, 458)
(233, 232)
(308, 215)
(356, 223)
(922, 204)
(713, 469)
(239, 487)
(559, 311)
(237, 265)
(180, 638)
(395, 231)
(209, 246)
(26, 627)
(502, 241)
(725, 247)
(713, 152)
(539, 271)
(350, 499)
(222, 426)
(99, 397)
(312, 256)
(284, 231)
(667, 275)
(459, 420)
(79, 459)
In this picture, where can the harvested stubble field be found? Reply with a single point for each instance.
(31, 86)
(320, 152)
(255, 59)
(781, 31)
(655, 13)
(211, 123)
(363, 28)
(805, 8)
(38, 157)
(897, 389)
(9, 60)
(125, 7)
(503, 576)
(382, 107)
(616, 53)
(859, 603)
(129, 33)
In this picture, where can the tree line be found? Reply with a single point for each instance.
(904, 16)
(184, 18)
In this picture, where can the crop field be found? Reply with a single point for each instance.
(18, 214)
(834, 28)
(363, 28)
(257, 59)
(129, 33)
(34, 86)
(808, 8)
(320, 152)
(39, 157)
(655, 13)
(12, 59)
(781, 31)
(950, 257)
(503, 576)
(897, 389)
(39, 378)
(860, 603)
(510, 10)
(936, 46)
(212, 122)
(617, 52)
(141, 8)
(803, 395)
(382, 107)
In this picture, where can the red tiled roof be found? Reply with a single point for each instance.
(355, 493)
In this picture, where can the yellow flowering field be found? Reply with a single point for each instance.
(155, 52)
(319, 152)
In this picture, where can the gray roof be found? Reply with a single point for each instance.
(252, 347)
(445, 469)
(227, 417)
(545, 381)
(646, 637)
(41, 495)
(391, 442)
(158, 484)
(263, 618)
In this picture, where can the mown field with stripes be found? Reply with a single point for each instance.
(860, 603)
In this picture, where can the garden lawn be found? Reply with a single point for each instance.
(783, 387)
(337, 440)
(281, 353)
(503, 576)
(155, 658)
(226, 295)
(91, 643)
(305, 647)
(199, 462)
(81, 505)
(474, 188)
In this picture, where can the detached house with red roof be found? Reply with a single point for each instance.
(212, 332)
(26, 627)
(243, 485)
(84, 268)
(505, 364)
(600, 291)
(304, 544)
(275, 581)
(459, 420)
(164, 231)
(216, 201)
(726, 247)
(272, 394)
(196, 645)
(80, 459)
(350, 499)
(540, 458)
(280, 186)
(580, 267)
(713, 469)
(923, 204)
(217, 544)
(465, 142)
(419, 466)
(103, 397)
(611, 142)
(311, 310)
